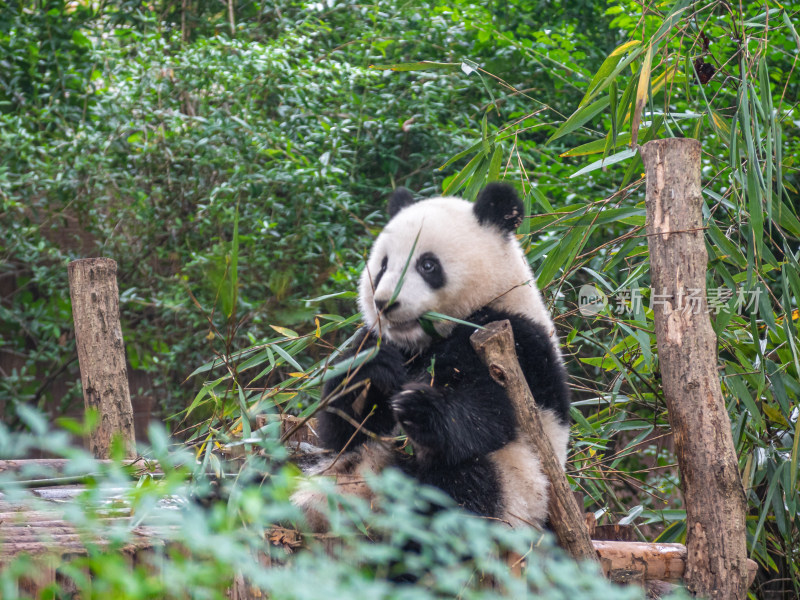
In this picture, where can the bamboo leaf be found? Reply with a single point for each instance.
(609, 215)
(436, 316)
(612, 95)
(597, 146)
(729, 250)
(666, 77)
(631, 516)
(771, 127)
(287, 357)
(626, 103)
(775, 479)
(456, 183)
(633, 168)
(423, 65)
(611, 160)
(623, 139)
(641, 94)
(494, 164)
(789, 24)
(469, 151)
(609, 70)
(476, 181)
(688, 70)
(671, 19)
(245, 416)
(525, 228)
(788, 220)
(795, 453)
(563, 256)
(400, 281)
(541, 199)
(285, 331)
(579, 117)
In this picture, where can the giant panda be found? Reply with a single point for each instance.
(461, 259)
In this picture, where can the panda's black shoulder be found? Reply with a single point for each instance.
(543, 368)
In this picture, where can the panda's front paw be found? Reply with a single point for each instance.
(386, 370)
(417, 408)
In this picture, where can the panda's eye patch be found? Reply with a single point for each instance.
(431, 270)
(384, 264)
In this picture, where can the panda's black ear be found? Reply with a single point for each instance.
(399, 199)
(499, 205)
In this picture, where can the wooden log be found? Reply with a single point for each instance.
(637, 562)
(687, 352)
(495, 347)
(76, 547)
(20, 541)
(32, 468)
(21, 515)
(101, 352)
(33, 520)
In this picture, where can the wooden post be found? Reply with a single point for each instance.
(101, 352)
(687, 353)
(495, 347)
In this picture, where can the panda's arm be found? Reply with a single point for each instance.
(543, 368)
(538, 357)
(462, 413)
(382, 376)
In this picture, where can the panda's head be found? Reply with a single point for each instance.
(449, 256)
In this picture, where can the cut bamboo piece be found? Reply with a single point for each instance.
(495, 347)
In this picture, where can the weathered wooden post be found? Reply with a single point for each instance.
(101, 352)
(495, 347)
(687, 352)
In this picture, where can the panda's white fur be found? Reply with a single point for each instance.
(484, 266)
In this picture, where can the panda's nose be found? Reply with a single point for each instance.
(384, 307)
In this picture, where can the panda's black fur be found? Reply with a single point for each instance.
(440, 394)
(454, 424)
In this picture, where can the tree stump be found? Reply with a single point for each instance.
(101, 352)
(687, 353)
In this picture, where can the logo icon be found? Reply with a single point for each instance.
(591, 301)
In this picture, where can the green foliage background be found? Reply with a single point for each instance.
(235, 164)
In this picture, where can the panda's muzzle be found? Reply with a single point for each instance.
(383, 306)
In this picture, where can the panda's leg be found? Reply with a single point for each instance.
(474, 484)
